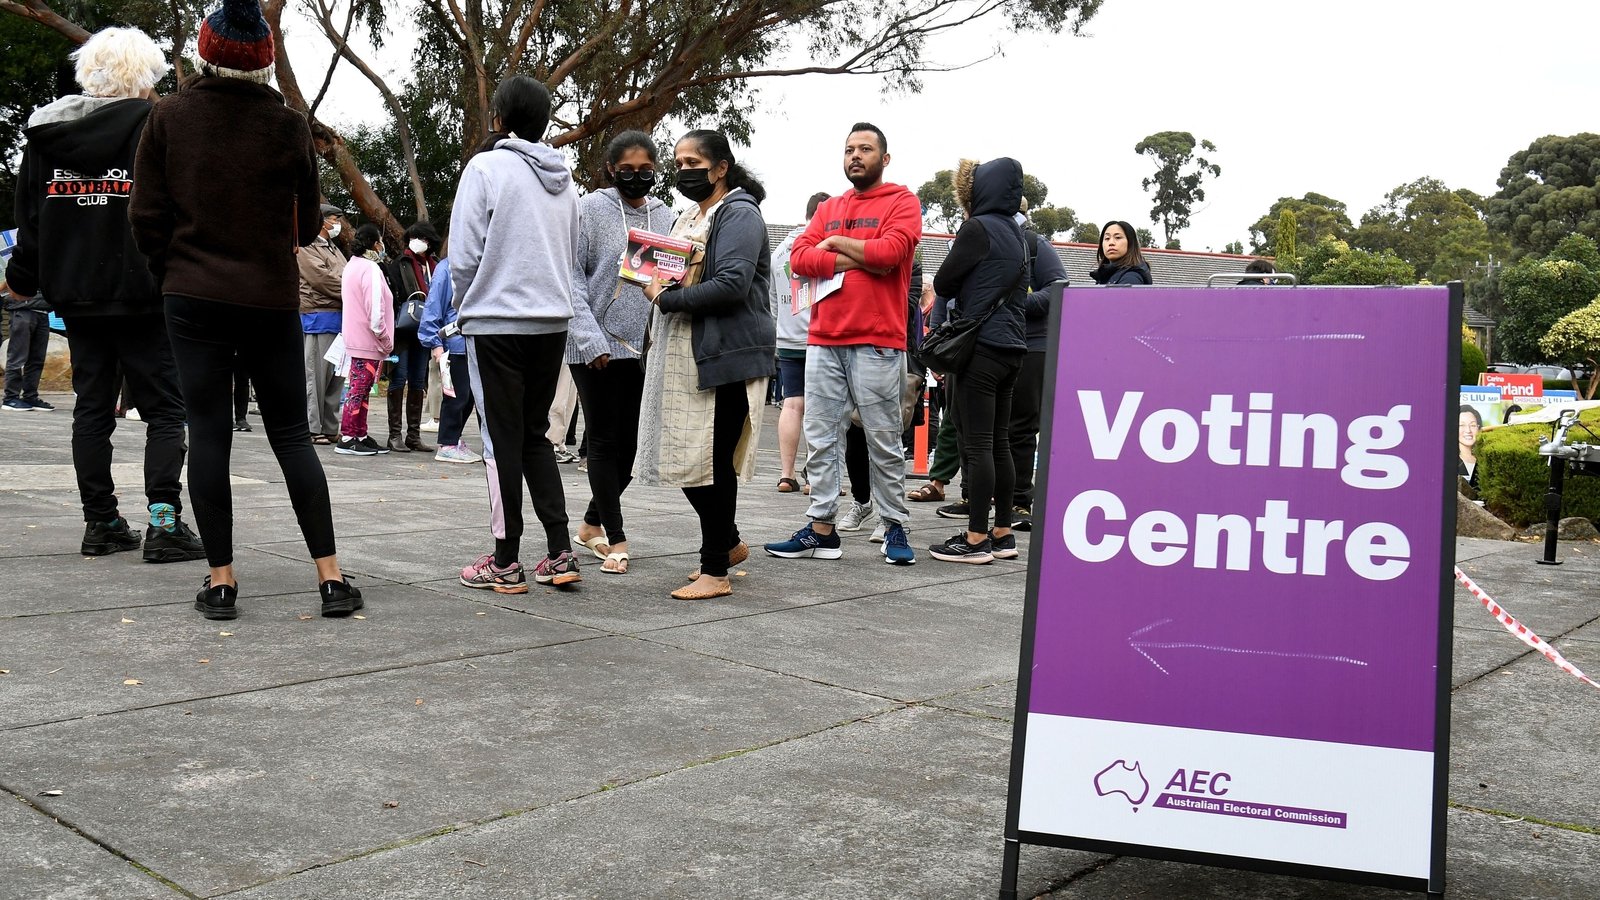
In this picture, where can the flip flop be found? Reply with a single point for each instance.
(788, 486)
(689, 593)
(594, 544)
(618, 556)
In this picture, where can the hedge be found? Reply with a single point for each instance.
(1513, 477)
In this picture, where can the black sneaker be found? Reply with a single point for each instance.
(958, 550)
(178, 545)
(241, 425)
(217, 602)
(1004, 547)
(41, 406)
(350, 446)
(105, 538)
(956, 510)
(340, 598)
(1022, 518)
(373, 445)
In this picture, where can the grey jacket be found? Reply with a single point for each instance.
(735, 337)
(513, 240)
(602, 318)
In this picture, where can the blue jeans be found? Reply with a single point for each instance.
(868, 379)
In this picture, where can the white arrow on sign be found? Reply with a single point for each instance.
(1140, 646)
(1150, 341)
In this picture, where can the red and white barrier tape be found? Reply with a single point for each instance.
(1521, 631)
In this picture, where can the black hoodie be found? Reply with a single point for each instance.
(988, 263)
(74, 244)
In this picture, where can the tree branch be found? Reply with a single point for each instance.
(402, 126)
(40, 12)
(333, 64)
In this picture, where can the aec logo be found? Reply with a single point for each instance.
(1121, 778)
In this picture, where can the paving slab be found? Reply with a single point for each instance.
(302, 773)
(1468, 549)
(1489, 858)
(175, 655)
(1580, 564)
(42, 858)
(1524, 740)
(1549, 609)
(995, 701)
(73, 583)
(906, 804)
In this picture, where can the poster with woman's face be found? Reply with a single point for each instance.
(1467, 434)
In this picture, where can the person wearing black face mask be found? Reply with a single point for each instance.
(712, 344)
(606, 336)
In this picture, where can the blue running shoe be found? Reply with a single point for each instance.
(897, 547)
(807, 542)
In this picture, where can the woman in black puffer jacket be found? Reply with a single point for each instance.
(1119, 256)
(987, 269)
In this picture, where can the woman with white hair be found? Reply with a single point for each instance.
(74, 246)
(226, 194)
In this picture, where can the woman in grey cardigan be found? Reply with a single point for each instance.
(606, 337)
(711, 350)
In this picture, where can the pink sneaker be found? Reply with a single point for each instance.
(561, 569)
(484, 574)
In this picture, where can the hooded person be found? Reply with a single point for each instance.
(75, 246)
(225, 196)
(987, 276)
(513, 233)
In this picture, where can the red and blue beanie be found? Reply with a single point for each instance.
(235, 39)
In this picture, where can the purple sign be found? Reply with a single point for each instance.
(1244, 513)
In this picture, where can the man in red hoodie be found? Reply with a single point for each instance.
(857, 343)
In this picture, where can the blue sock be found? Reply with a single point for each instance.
(163, 516)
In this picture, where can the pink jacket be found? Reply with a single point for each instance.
(368, 310)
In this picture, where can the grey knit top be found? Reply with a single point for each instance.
(603, 320)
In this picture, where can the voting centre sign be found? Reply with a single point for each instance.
(1237, 643)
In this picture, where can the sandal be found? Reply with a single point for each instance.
(691, 593)
(594, 544)
(613, 558)
(320, 439)
(788, 486)
(735, 556)
(931, 492)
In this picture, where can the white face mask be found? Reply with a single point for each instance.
(333, 230)
(418, 246)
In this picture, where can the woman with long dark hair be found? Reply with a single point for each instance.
(606, 339)
(712, 344)
(1120, 261)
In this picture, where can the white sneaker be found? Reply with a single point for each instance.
(459, 453)
(877, 533)
(132, 415)
(431, 426)
(856, 516)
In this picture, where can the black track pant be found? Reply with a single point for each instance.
(514, 381)
(984, 405)
(1026, 402)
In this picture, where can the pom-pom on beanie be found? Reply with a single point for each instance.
(236, 42)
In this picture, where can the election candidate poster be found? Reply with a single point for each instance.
(1236, 648)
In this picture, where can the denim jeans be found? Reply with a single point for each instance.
(865, 378)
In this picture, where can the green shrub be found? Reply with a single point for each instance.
(1472, 363)
(1513, 477)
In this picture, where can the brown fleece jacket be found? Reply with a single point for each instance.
(222, 170)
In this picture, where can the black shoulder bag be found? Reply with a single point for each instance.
(948, 348)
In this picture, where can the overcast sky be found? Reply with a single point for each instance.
(1348, 99)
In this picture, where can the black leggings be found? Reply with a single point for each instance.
(611, 398)
(856, 464)
(718, 502)
(214, 343)
(984, 406)
(514, 381)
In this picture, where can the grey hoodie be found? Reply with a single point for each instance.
(602, 318)
(513, 239)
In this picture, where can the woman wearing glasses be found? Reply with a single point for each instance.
(606, 337)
